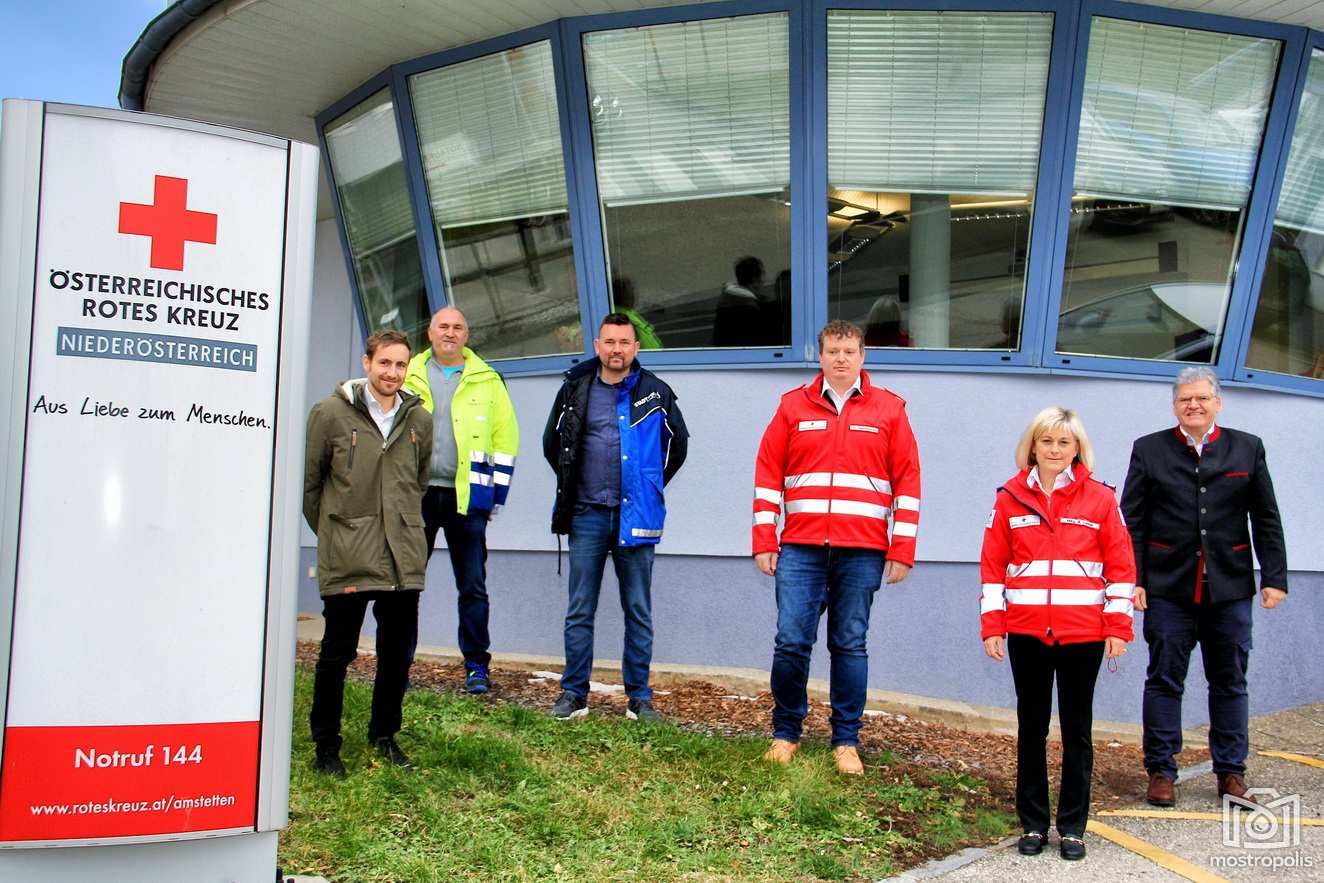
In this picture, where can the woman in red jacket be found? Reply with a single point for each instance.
(1058, 577)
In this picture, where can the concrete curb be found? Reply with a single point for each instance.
(940, 866)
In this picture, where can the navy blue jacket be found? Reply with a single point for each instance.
(1192, 519)
(654, 442)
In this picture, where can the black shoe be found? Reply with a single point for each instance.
(328, 762)
(387, 748)
(1031, 843)
(1072, 848)
(569, 705)
(643, 710)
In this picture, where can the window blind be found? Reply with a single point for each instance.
(690, 110)
(490, 137)
(1172, 115)
(364, 148)
(936, 102)
(1301, 203)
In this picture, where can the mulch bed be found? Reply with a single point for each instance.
(1119, 775)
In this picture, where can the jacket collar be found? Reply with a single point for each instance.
(351, 392)
(1019, 486)
(1184, 440)
(813, 390)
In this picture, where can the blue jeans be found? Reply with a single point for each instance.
(811, 579)
(1223, 631)
(593, 535)
(466, 540)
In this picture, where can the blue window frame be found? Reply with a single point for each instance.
(1038, 266)
(808, 20)
(1254, 229)
(1258, 261)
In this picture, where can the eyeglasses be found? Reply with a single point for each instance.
(1187, 401)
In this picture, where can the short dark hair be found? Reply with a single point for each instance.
(379, 339)
(748, 269)
(617, 319)
(841, 328)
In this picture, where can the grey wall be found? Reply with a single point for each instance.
(967, 425)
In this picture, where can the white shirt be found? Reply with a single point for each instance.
(1064, 478)
(384, 419)
(840, 401)
(1198, 445)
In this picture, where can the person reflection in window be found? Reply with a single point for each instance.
(744, 317)
(883, 325)
(623, 301)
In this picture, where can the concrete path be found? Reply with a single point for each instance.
(1282, 841)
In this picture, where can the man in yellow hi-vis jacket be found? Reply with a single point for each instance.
(475, 438)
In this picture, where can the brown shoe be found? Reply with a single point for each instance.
(1234, 786)
(848, 760)
(1162, 791)
(781, 751)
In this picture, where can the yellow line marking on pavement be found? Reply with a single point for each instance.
(1186, 816)
(1299, 758)
(1160, 857)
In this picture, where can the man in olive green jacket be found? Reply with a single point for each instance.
(365, 471)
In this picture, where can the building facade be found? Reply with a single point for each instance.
(1022, 203)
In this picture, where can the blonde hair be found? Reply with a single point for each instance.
(1051, 418)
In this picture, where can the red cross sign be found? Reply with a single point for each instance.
(169, 222)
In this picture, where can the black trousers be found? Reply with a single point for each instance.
(396, 614)
(1033, 667)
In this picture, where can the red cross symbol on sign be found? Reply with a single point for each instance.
(169, 222)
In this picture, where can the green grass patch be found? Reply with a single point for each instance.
(501, 792)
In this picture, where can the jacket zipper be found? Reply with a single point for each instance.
(1046, 519)
(1048, 499)
(832, 476)
(353, 444)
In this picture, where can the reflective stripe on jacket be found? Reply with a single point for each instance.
(485, 429)
(840, 478)
(1059, 567)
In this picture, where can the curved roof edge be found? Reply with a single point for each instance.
(154, 39)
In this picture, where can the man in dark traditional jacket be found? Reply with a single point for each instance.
(1196, 496)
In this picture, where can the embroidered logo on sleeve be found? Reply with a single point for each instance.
(992, 514)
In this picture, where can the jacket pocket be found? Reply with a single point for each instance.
(411, 549)
(349, 548)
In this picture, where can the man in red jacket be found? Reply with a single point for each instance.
(840, 458)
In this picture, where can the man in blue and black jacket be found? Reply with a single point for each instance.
(615, 437)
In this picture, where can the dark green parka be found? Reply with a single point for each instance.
(363, 494)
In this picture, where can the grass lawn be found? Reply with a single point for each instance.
(503, 792)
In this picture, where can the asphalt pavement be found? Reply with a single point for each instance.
(1195, 840)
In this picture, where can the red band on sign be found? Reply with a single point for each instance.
(64, 783)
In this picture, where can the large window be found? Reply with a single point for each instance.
(1170, 128)
(933, 145)
(489, 134)
(364, 149)
(1288, 334)
(691, 139)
